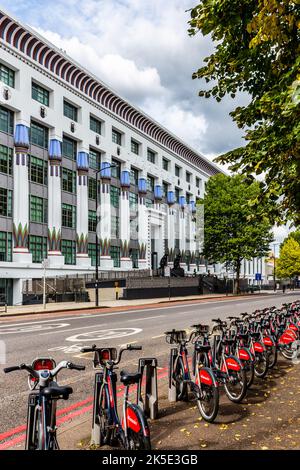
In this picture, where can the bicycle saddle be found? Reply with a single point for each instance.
(55, 391)
(128, 378)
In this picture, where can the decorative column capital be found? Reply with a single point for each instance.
(54, 151)
(21, 138)
(171, 198)
(105, 173)
(82, 161)
(142, 186)
(158, 193)
(125, 179)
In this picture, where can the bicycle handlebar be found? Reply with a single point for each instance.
(34, 373)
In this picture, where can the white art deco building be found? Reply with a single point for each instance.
(60, 125)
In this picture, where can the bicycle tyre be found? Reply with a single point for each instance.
(261, 364)
(238, 397)
(137, 441)
(273, 356)
(248, 367)
(181, 386)
(211, 393)
(105, 429)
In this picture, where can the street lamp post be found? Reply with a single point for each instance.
(97, 238)
(274, 268)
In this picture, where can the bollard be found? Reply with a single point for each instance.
(148, 403)
(172, 386)
(32, 403)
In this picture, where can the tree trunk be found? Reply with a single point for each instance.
(238, 272)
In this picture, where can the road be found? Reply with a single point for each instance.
(61, 336)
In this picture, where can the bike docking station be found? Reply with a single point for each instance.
(33, 399)
(172, 393)
(149, 402)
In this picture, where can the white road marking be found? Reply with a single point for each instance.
(73, 329)
(143, 319)
(101, 335)
(31, 328)
(158, 336)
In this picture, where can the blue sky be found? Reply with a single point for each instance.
(142, 50)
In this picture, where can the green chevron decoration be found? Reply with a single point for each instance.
(54, 240)
(82, 243)
(104, 246)
(142, 250)
(20, 236)
(124, 249)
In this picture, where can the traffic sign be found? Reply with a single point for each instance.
(258, 276)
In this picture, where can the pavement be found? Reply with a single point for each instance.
(61, 335)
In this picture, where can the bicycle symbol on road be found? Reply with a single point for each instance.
(101, 335)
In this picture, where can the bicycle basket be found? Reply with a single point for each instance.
(103, 355)
(175, 336)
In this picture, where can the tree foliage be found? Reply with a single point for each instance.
(288, 264)
(233, 230)
(257, 45)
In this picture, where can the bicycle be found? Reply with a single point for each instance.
(41, 418)
(204, 385)
(132, 431)
(227, 368)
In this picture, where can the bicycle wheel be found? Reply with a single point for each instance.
(272, 356)
(248, 367)
(181, 386)
(105, 428)
(208, 397)
(261, 364)
(236, 385)
(137, 441)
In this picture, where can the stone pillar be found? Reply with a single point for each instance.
(157, 196)
(54, 204)
(82, 211)
(143, 226)
(182, 231)
(104, 213)
(126, 262)
(21, 196)
(171, 227)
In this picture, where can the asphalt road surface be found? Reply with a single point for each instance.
(61, 336)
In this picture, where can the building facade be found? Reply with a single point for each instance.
(64, 135)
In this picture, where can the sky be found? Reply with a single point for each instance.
(141, 49)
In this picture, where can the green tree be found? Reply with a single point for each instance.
(257, 45)
(233, 230)
(288, 264)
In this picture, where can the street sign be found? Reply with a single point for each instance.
(258, 276)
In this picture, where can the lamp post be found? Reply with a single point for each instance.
(97, 238)
(274, 268)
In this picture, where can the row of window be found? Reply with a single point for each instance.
(39, 134)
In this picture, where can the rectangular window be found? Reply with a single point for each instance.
(150, 156)
(39, 135)
(135, 258)
(165, 164)
(40, 94)
(150, 183)
(68, 216)
(92, 254)
(7, 75)
(116, 137)
(70, 111)
(116, 170)
(5, 202)
(165, 187)
(68, 249)
(114, 196)
(5, 246)
(148, 203)
(6, 156)
(6, 120)
(38, 170)
(133, 202)
(177, 171)
(135, 147)
(92, 221)
(69, 180)
(188, 198)
(188, 177)
(92, 188)
(38, 248)
(69, 148)
(95, 125)
(38, 209)
(198, 182)
(94, 159)
(134, 177)
(115, 233)
(115, 256)
(177, 194)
